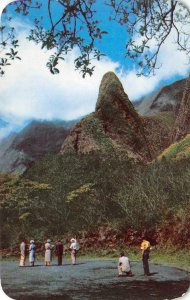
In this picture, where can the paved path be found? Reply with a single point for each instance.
(93, 279)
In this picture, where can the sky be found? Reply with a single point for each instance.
(29, 92)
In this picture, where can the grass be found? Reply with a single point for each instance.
(170, 257)
(173, 257)
(178, 258)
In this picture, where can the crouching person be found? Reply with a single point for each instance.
(124, 267)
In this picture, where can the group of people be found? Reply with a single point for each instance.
(124, 266)
(48, 248)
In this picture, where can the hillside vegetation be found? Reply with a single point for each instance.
(67, 194)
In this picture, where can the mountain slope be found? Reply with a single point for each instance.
(163, 100)
(19, 151)
(166, 115)
(182, 122)
(178, 150)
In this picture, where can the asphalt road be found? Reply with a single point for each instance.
(93, 279)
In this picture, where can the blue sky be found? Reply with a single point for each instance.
(28, 91)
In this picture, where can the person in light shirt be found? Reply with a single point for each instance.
(124, 267)
(23, 251)
(74, 248)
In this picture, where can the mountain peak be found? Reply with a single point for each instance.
(109, 86)
(114, 126)
(112, 99)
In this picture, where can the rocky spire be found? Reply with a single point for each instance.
(114, 126)
(112, 100)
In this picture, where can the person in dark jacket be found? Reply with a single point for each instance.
(145, 248)
(59, 252)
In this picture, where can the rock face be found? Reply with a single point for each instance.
(112, 100)
(182, 123)
(166, 99)
(114, 126)
(19, 151)
(167, 113)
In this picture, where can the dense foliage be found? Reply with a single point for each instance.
(68, 194)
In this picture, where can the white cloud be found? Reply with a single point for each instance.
(29, 91)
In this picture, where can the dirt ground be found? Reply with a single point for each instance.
(92, 279)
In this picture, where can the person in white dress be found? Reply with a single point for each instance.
(32, 249)
(74, 248)
(124, 267)
(48, 252)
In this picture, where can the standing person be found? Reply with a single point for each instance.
(32, 249)
(48, 254)
(124, 267)
(23, 252)
(145, 248)
(59, 252)
(74, 247)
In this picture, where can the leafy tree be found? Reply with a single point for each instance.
(21, 207)
(148, 22)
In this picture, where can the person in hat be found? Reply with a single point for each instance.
(74, 248)
(32, 249)
(59, 252)
(48, 252)
(23, 252)
(145, 250)
(124, 267)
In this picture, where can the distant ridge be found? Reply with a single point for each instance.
(164, 99)
(19, 151)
